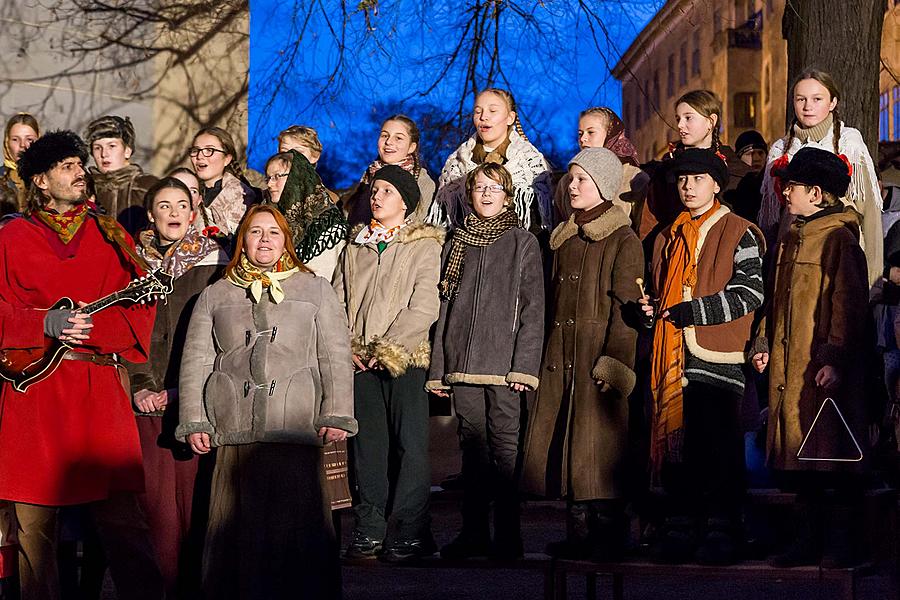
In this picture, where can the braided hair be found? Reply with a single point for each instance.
(511, 106)
(707, 104)
(414, 137)
(829, 84)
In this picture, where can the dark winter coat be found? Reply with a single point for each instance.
(594, 274)
(492, 333)
(120, 194)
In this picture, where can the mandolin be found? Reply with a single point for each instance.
(23, 367)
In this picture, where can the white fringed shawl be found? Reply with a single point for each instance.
(863, 194)
(863, 182)
(530, 175)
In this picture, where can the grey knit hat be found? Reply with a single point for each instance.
(604, 167)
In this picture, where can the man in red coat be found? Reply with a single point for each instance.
(71, 438)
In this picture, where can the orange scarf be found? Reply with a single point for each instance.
(667, 366)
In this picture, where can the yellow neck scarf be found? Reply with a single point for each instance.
(246, 275)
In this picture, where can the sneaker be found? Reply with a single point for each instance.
(405, 550)
(362, 546)
(464, 546)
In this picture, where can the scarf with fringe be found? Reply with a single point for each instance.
(476, 232)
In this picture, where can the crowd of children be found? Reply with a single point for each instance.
(633, 306)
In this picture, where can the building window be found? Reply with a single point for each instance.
(695, 57)
(745, 109)
(656, 103)
(767, 83)
(646, 94)
(897, 113)
(884, 120)
(682, 64)
(670, 77)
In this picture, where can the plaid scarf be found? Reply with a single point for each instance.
(65, 225)
(247, 275)
(477, 232)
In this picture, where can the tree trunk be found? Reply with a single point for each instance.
(842, 37)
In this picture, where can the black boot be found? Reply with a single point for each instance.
(577, 544)
(806, 546)
(676, 541)
(841, 540)
(720, 544)
(507, 525)
(607, 525)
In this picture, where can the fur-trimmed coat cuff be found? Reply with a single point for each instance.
(347, 424)
(435, 384)
(395, 357)
(530, 380)
(186, 429)
(615, 373)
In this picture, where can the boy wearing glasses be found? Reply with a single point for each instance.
(487, 351)
(814, 346)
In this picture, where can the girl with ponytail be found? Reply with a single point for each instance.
(398, 144)
(498, 138)
(817, 124)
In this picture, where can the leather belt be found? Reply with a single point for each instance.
(103, 360)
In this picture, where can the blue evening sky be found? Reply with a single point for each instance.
(548, 58)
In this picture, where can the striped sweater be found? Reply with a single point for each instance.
(742, 295)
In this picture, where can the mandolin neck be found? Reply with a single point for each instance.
(104, 302)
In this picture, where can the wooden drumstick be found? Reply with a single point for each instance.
(640, 283)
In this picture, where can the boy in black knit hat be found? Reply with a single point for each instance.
(387, 279)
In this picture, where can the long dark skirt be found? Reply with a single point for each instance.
(270, 534)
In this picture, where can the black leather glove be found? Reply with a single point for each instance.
(682, 315)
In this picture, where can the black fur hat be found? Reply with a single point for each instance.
(48, 150)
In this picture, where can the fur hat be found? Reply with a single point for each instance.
(814, 166)
(694, 161)
(48, 150)
(750, 140)
(604, 167)
(404, 182)
(110, 126)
